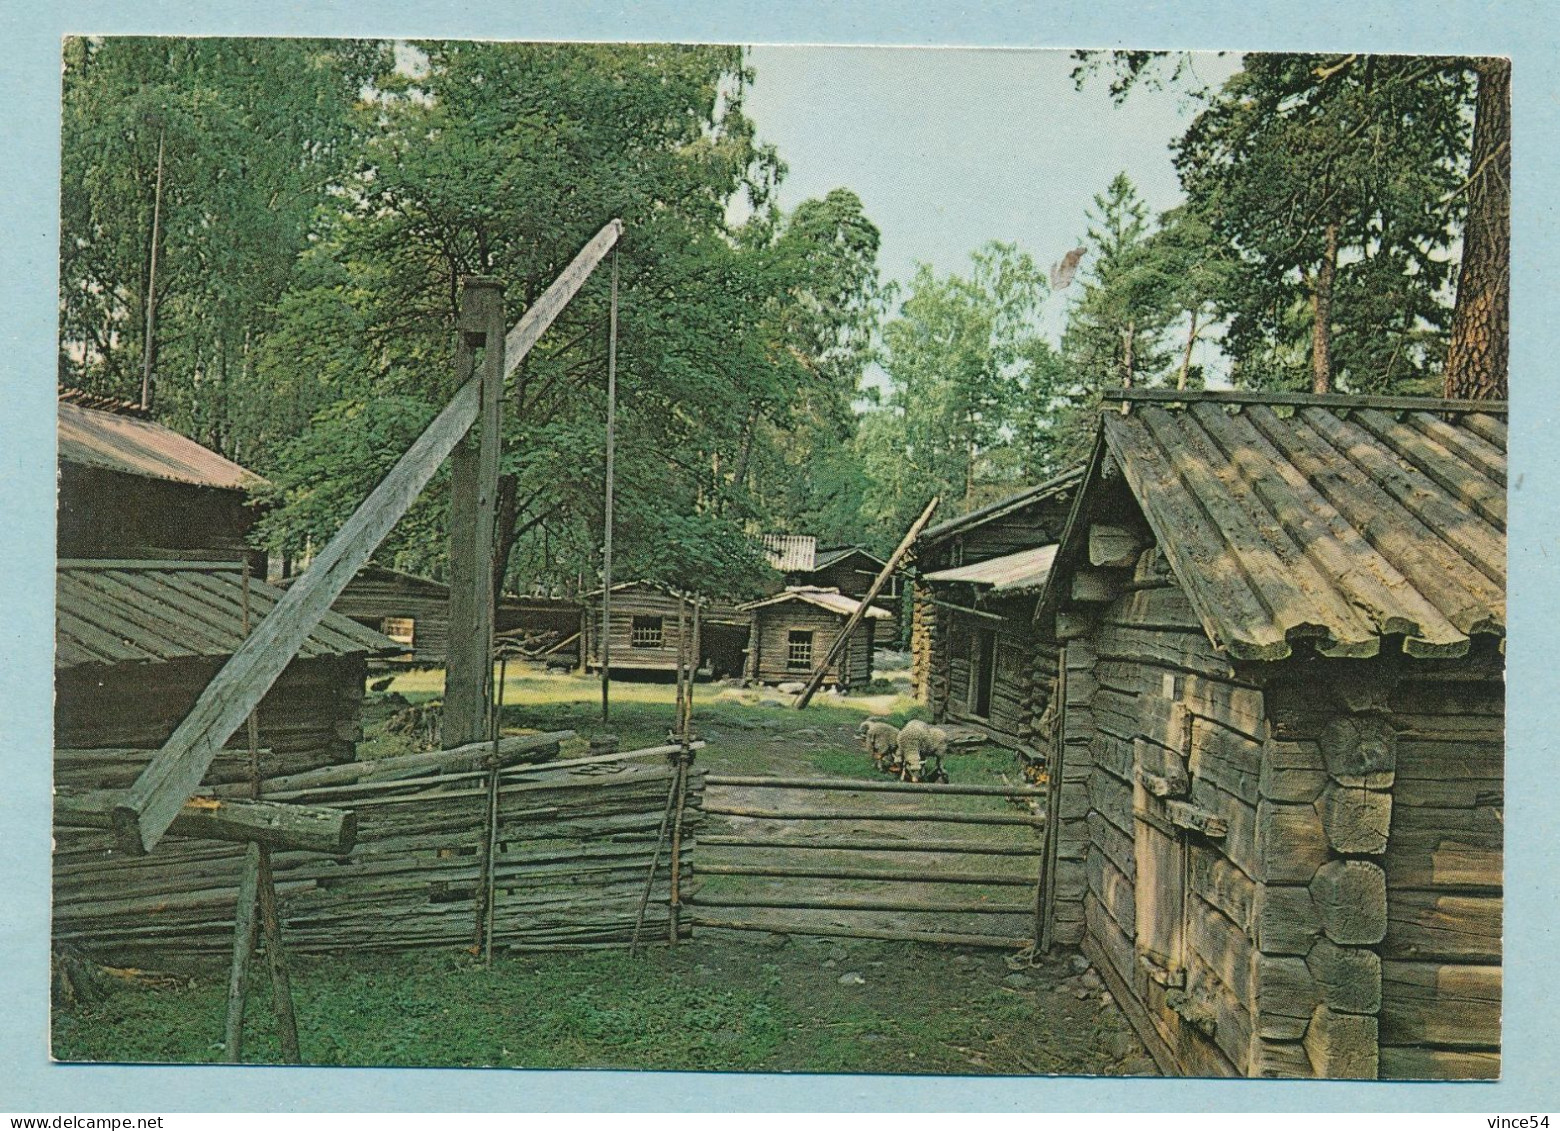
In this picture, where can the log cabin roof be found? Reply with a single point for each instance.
(825, 558)
(127, 444)
(112, 612)
(790, 553)
(1025, 571)
(1051, 488)
(830, 599)
(1342, 521)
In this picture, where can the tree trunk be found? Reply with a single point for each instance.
(1477, 356)
(1128, 337)
(1186, 359)
(1321, 307)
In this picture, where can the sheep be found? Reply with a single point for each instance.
(879, 739)
(921, 750)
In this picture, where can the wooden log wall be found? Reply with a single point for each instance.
(626, 605)
(1173, 745)
(1404, 767)
(574, 849)
(312, 717)
(928, 651)
(1024, 676)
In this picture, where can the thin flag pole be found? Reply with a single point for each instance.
(606, 549)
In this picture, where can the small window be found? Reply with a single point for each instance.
(799, 651)
(647, 633)
(402, 630)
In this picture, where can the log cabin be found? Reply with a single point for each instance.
(1280, 761)
(132, 488)
(646, 633)
(793, 632)
(976, 659)
(414, 612)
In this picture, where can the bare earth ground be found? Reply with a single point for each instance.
(727, 1000)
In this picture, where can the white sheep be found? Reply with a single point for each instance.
(921, 750)
(880, 740)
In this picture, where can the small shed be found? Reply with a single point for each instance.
(976, 657)
(794, 630)
(1281, 621)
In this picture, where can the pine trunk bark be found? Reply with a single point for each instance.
(1321, 307)
(1478, 355)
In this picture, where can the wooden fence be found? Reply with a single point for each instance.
(870, 859)
(572, 845)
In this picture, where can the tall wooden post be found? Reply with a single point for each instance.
(468, 681)
(606, 541)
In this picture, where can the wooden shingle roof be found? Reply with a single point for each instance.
(1334, 519)
(117, 442)
(830, 599)
(1023, 572)
(112, 612)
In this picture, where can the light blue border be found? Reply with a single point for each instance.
(29, 79)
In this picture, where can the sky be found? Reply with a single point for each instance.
(951, 148)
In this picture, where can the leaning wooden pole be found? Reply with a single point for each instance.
(150, 805)
(822, 670)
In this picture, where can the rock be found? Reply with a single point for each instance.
(1079, 963)
(1107, 999)
(1139, 1066)
(1091, 980)
(1062, 989)
(1081, 994)
(792, 688)
(962, 960)
(1018, 981)
(1118, 1044)
(838, 953)
(830, 964)
(807, 732)
(852, 978)
(776, 941)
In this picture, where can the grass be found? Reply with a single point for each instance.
(724, 1004)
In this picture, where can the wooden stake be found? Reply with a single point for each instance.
(243, 951)
(1045, 888)
(655, 859)
(281, 981)
(878, 582)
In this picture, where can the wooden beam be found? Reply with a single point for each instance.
(840, 641)
(1302, 400)
(1116, 546)
(468, 681)
(151, 804)
(304, 828)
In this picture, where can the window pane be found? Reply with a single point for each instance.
(647, 632)
(799, 650)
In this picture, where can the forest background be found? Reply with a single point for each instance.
(265, 237)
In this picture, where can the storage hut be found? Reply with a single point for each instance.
(1281, 620)
(976, 657)
(794, 630)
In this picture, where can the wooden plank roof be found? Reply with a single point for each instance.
(825, 558)
(1340, 522)
(112, 612)
(831, 599)
(1023, 572)
(791, 552)
(1056, 486)
(134, 446)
